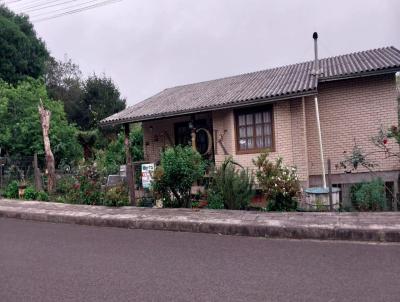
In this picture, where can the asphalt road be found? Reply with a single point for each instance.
(59, 262)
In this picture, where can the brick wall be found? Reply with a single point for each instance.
(351, 109)
(289, 129)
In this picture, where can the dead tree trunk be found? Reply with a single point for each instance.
(45, 121)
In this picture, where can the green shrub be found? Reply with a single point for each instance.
(279, 183)
(11, 190)
(30, 193)
(42, 196)
(180, 168)
(116, 197)
(112, 155)
(369, 196)
(215, 201)
(65, 184)
(60, 199)
(87, 188)
(231, 186)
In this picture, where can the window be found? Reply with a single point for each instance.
(254, 130)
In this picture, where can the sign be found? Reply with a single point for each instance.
(147, 175)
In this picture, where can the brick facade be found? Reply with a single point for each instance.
(352, 110)
(349, 109)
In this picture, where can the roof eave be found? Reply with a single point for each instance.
(246, 103)
(360, 74)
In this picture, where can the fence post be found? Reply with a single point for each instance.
(395, 193)
(330, 185)
(129, 167)
(36, 171)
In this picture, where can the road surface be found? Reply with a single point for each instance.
(60, 262)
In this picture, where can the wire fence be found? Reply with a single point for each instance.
(21, 169)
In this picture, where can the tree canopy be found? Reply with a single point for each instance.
(101, 98)
(64, 82)
(22, 53)
(86, 101)
(21, 134)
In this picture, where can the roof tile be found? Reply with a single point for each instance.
(290, 80)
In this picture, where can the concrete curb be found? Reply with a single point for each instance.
(252, 228)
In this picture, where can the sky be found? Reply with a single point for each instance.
(146, 46)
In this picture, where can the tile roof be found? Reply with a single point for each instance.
(281, 82)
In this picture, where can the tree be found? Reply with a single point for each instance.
(22, 53)
(101, 98)
(45, 118)
(64, 82)
(113, 155)
(21, 134)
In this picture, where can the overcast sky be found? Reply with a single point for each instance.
(149, 45)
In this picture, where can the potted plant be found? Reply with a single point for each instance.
(21, 188)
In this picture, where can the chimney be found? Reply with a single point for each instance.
(316, 70)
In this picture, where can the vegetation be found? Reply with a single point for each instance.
(30, 193)
(86, 101)
(22, 53)
(29, 75)
(231, 188)
(87, 188)
(180, 167)
(110, 158)
(101, 98)
(22, 134)
(369, 196)
(11, 190)
(116, 196)
(42, 196)
(279, 183)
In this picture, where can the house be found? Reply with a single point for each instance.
(274, 109)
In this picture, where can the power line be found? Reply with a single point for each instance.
(43, 6)
(89, 7)
(11, 1)
(64, 9)
(35, 4)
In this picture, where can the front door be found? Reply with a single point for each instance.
(204, 140)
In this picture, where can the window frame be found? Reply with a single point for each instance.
(253, 110)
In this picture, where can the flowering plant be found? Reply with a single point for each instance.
(279, 183)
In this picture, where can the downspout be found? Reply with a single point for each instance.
(316, 73)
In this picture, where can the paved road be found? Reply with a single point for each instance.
(60, 262)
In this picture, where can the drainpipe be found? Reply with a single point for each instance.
(316, 73)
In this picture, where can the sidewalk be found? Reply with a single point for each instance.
(382, 227)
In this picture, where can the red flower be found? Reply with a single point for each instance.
(385, 140)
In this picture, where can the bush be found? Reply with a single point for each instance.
(215, 201)
(11, 190)
(369, 196)
(116, 197)
(42, 196)
(279, 183)
(30, 193)
(113, 154)
(87, 188)
(180, 168)
(230, 188)
(65, 184)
